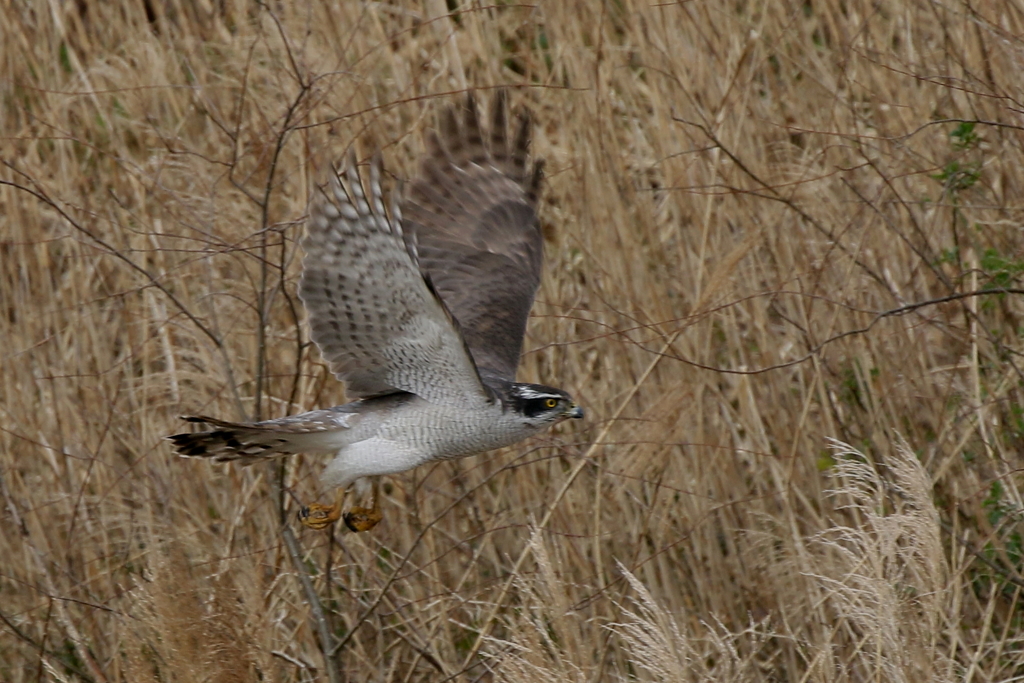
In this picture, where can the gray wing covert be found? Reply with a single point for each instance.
(471, 217)
(376, 319)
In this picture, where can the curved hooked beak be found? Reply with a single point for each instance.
(575, 412)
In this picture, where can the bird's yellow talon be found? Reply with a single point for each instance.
(318, 516)
(362, 519)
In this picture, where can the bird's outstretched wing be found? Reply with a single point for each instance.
(471, 217)
(377, 320)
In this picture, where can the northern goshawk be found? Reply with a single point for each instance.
(421, 309)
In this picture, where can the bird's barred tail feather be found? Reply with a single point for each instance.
(317, 432)
(230, 441)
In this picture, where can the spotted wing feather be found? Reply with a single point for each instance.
(376, 319)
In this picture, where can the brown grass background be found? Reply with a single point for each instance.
(768, 225)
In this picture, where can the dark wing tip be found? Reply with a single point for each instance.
(521, 146)
(499, 125)
(476, 150)
(536, 182)
(450, 135)
(435, 150)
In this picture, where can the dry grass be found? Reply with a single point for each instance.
(746, 204)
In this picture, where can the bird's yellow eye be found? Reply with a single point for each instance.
(550, 403)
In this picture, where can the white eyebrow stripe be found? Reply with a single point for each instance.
(526, 392)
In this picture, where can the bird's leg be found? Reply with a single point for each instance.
(318, 516)
(361, 519)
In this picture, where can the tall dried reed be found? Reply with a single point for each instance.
(767, 225)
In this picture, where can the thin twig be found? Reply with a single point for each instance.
(40, 647)
(891, 313)
(317, 616)
(776, 196)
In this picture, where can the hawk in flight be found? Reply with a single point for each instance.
(420, 309)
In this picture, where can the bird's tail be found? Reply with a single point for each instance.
(249, 442)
